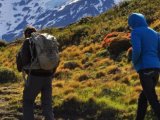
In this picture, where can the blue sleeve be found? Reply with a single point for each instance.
(136, 47)
(158, 45)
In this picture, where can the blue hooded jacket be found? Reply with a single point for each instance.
(145, 43)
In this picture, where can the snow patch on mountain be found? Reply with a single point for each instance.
(16, 14)
(52, 4)
(118, 1)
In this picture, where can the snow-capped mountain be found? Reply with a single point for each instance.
(15, 15)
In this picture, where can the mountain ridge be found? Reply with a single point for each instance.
(25, 12)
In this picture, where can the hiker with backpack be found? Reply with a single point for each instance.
(146, 60)
(38, 58)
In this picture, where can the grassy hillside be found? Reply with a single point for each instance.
(94, 81)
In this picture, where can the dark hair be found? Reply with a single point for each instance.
(29, 30)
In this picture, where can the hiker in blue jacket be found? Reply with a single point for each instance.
(146, 60)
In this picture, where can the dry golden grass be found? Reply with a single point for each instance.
(156, 24)
(71, 53)
(112, 69)
(100, 84)
(104, 62)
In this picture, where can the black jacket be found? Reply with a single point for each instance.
(26, 60)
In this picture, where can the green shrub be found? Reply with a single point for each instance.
(85, 20)
(113, 69)
(102, 53)
(71, 65)
(63, 74)
(71, 105)
(7, 75)
(83, 77)
(100, 74)
(2, 43)
(64, 39)
(85, 60)
(72, 36)
(88, 64)
(118, 45)
(80, 33)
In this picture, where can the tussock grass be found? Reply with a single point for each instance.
(89, 83)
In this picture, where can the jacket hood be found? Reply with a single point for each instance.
(136, 20)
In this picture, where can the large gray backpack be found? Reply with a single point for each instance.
(47, 54)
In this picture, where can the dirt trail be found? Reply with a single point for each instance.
(11, 103)
(8, 105)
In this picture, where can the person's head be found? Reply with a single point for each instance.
(28, 31)
(136, 20)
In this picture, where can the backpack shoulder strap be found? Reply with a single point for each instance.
(31, 44)
(30, 48)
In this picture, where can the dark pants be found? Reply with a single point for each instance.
(33, 87)
(149, 79)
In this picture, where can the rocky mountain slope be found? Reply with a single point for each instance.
(16, 14)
